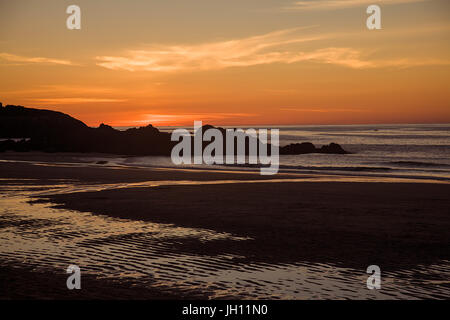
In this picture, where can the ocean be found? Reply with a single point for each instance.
(405, 151)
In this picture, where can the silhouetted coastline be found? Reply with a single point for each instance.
(27, 129)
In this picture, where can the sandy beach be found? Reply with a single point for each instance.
(397, 226)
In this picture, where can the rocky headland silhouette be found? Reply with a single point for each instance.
(27, 129)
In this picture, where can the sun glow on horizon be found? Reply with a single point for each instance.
(280, 62)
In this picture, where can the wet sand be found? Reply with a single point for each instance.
(26, 283)
(350, 224)
(397, 226)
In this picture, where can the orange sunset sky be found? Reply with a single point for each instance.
(234, 62)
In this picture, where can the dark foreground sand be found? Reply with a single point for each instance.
(25, 283)
(352, 224)
(394, 225)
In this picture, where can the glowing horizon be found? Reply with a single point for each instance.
(229, 63)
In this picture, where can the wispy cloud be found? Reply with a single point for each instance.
(274, 47)
(31, 60)
(293, 109)
(75, 100)
(355, 59)
(341, 4)
(56, 89)
(248, 51)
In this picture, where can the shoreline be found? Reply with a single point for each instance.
(398, 226)
(90, 160)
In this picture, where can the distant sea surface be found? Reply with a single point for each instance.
(418, 151)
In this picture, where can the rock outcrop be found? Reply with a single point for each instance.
(307, 147)
(26, 129)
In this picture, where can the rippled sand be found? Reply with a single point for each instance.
(137, 253)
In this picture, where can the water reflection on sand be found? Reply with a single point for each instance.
(149, 254)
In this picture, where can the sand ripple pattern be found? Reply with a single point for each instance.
(149, 254)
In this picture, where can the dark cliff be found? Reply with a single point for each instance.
(25, 129)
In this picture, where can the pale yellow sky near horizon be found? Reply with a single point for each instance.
(229, 62)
